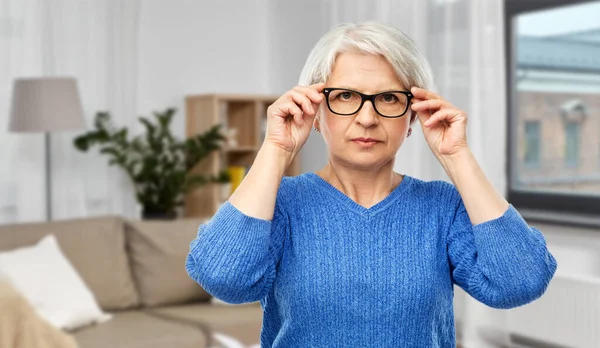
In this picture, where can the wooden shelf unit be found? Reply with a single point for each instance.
(246, 113)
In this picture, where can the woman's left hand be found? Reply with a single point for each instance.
(444, 125)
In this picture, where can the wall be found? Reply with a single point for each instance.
(576, 249)
(292, 38)
(192, 47)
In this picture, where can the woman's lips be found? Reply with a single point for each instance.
(365, 142)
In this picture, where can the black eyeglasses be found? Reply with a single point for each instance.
(345, 102)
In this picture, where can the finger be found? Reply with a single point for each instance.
(314, 106)
(290, 109)
(302, 100)
(422, 93)
(444, 115)
(431, 104)
(312, 93)
(302, 94)
(423, 116)
(319, 87)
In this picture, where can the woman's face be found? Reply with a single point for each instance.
(368, 74)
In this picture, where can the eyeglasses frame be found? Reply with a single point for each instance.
(369, 97)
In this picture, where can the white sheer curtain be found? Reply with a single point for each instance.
(96, 42)
(463, 41)
(21, 156)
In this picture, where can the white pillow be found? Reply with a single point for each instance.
(47, 279)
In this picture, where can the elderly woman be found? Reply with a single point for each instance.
(355, 254)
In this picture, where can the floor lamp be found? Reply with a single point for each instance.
(46, 104)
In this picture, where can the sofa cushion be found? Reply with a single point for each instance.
(157, 250)
(241, 321)
(94, 246)
(48, 280)
(137, 329)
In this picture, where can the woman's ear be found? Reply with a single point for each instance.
(316, 123)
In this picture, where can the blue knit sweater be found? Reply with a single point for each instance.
(329, 272)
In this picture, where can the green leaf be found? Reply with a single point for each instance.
(157, 163)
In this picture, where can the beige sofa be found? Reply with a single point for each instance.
(136, 270)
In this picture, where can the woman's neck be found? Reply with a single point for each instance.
(366, 188)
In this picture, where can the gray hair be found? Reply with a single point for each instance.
(372, 37)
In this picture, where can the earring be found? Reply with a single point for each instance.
(317, 130)
(409, 132)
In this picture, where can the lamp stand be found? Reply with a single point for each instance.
(48, 177)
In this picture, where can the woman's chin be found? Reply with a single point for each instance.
(365, 161)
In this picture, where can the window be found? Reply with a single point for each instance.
(532, 143)
(572, 143)
(553, 88)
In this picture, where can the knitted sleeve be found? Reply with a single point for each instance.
(503, 263)
(234, 256)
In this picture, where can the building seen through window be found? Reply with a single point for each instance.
(556, 102)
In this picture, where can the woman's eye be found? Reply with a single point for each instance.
(390, 98)
(346, 95)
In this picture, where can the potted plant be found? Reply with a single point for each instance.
(158, 164)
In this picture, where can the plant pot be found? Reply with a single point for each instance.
(159, 215)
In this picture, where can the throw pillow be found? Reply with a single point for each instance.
(157, 250)
(51, 284)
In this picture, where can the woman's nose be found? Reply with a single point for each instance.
(367, 116)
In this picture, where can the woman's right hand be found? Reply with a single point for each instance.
(290, 118)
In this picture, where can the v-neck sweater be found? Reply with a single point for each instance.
(329, 272)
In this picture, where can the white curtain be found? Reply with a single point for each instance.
(96, 42)
(463, 41)
(21, 156)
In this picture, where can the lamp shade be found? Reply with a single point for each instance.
(45, 104)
